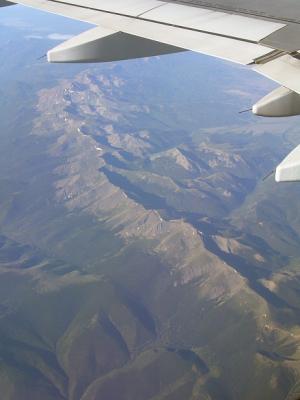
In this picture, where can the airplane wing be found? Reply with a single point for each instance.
(264, 35)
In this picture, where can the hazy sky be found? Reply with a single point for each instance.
(37, 21)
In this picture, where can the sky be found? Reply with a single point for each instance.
(40, 24)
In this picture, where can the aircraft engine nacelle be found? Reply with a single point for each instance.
(282, 102)
(289, 169)
(4, 3)
(103, 45)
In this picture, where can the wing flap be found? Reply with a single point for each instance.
(218, 46)
(133, 8)
(214, 22)
(285, 70)
(200, 19)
